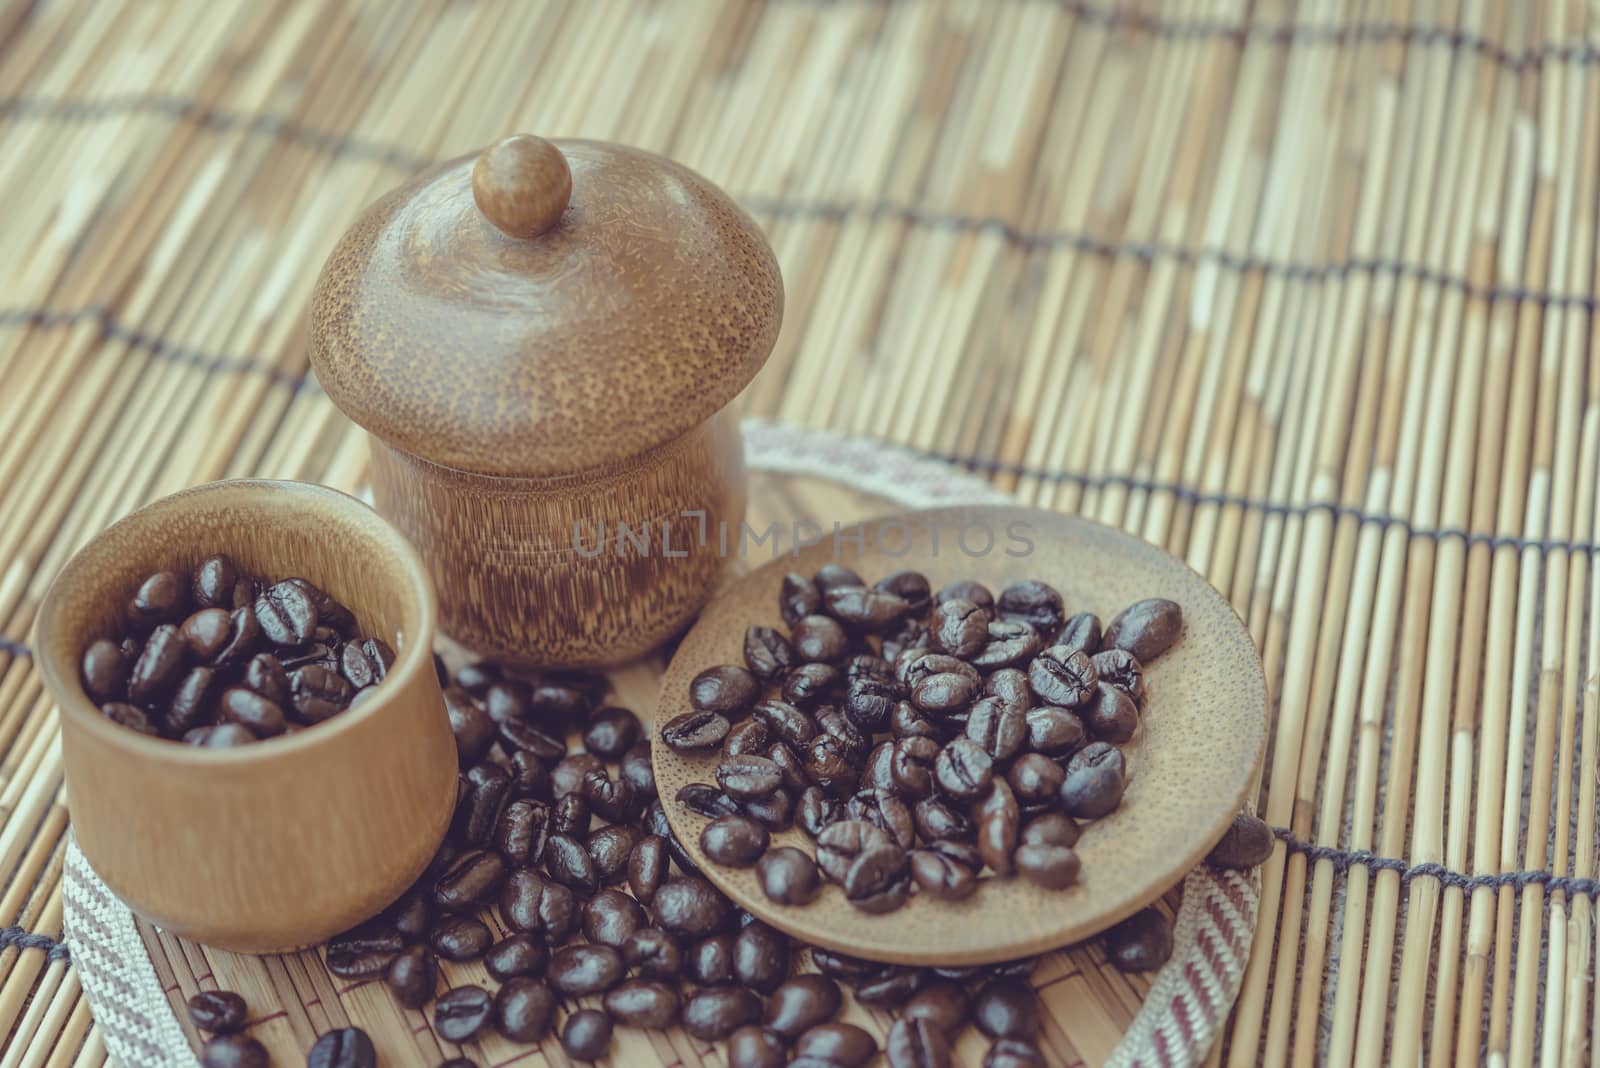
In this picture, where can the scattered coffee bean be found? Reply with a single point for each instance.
(916, 1043)
(611, 917)
(1248, 841)
(570, 864)
(344, 1047)
(364, 952)
(580, 969)
(460, 1014)
(837, 1043)
(946, 870)
(537, 905)
(518, 954)
(756, 1047)
(612, 731)
(802, 1003)
(715, 1013)
(944, 1004)
(1094, 782)
(798, 597)
(1013, 1053)
(522, 1009)
(695, 731)
(234, 1051)
(586, 1035)
(1007, 1008)
(219, 1011)
(473, 880)
(1140, 943)
(460, 938)
(736, 841)
(523, 828)
(412, 976)
(653, 953)
(710, 961)
(647, 867)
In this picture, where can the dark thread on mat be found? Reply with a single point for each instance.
(352, 146)
(14, 648)
(1344, 859)
(16, 937)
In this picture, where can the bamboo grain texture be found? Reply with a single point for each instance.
(1302, 292)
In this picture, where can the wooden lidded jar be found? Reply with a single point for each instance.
(542, 342)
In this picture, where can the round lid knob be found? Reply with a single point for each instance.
(522, 184)
(544, 308)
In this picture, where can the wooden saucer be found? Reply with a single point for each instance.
(1190, 766)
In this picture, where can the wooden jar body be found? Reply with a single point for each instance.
(584, 570)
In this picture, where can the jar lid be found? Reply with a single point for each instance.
(544, 308)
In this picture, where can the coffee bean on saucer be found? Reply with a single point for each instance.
(750, 738)
(866, 608)
(1035, 778)
(819, 639)
(234, 1051)
(735, 841)
(748, 778)
(586, 1035)
(727, 690)
(767, 653)
(1007, 1008)
(756, 1047)
(1121, 669)
(695, 732)
(1112, 716)
(841, 843)
(788, 876)
(963, 770)
(1053, 867)
(999, 823)
(1034, 603)
(522, 1009)
(916, 1043)
(802, 1003)
(715, 1013)
(517, 954)
(1050, 828)
(1094, 782)
(460, 1014)
(460, 938)
(887, 810)
(412, 976)
(1063, 677)
(1247, 842)
(1053, 730)
(809, 683)
(1013, 1053)
(643, 1003)
(946, 870)
(1140, 943)
(815, 811)
(219, 1011)
(1146, 628)
(787, 723)
(579, 970)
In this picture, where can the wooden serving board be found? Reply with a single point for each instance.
(293, 998)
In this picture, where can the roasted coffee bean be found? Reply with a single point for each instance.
(234, 1051)
(963, 770)
(105, 670)
(946, 870)
(219, 1011)
(611, 848)
(1095, 781)
(1053, 730)
(636, 770)
(646, 866)
(538, 905)
(870, 702)
(580, 969)
(570, 864)
(1247, 842)
(460, 938)
(611, 799)
(244, 638)
(214, 582)
(760, 957)
(835, 724)
(878, 881)
(788, 876)
(944, 1004)
(191, 704)
(1008, 642)
(866, 608)
(473, 729)
(586, 1035)
(890, 987)
(912, 635)
(522, 1009)
(913, 764)
(887, 810)
(565, 697)
(1007, 1008)
(132, 717)
(833, 575)
(1062, 677)
(1081, 632)
(159, 664)
(945, 691)
(939, 820)
(1000, 729)
(1121, 669)
(911, 587)
(366, 662)
(819, 640)
(786, 722)
(695, 732)
(767, 653)
(518, 954)
(315, 653)
(798, 597)
(287, 614)
(363, 952)
(809, 683)
(1146, 628)
(473, 880)
(250, 709)
(264, 675)
(567, 776)
(908, 721)
(522, 830)
(643, 1003)
(206, 633)
(707, 800)
(877, 773)
(1053, 867)
(734, 841)
(727, 689)
(488, 788)
(756, 1047)
(689, 906)
(710, 961)
(506, 700)
(836, 1044)
(317, 692)
(1013, 1053)
(959, 628)
(714, 1014)
(653, 953)
(330, 612)
(1051, 828)
(1140, 943)
(611, 917)
(841, 843)
(791, 763)
(750, 738)
(748, 778)
(775, 813)
(843, 968)
(967, 590)
(413, 975)
(802, 1003)
(1034, 603)
(916, 1043)
(827, 761)
(222, 736)
(1035, 778)
(1111, 716)
(999, 823)
(460, 1014)
(816, 810)
(161, 598)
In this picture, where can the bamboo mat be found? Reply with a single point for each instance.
(1302, 292)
